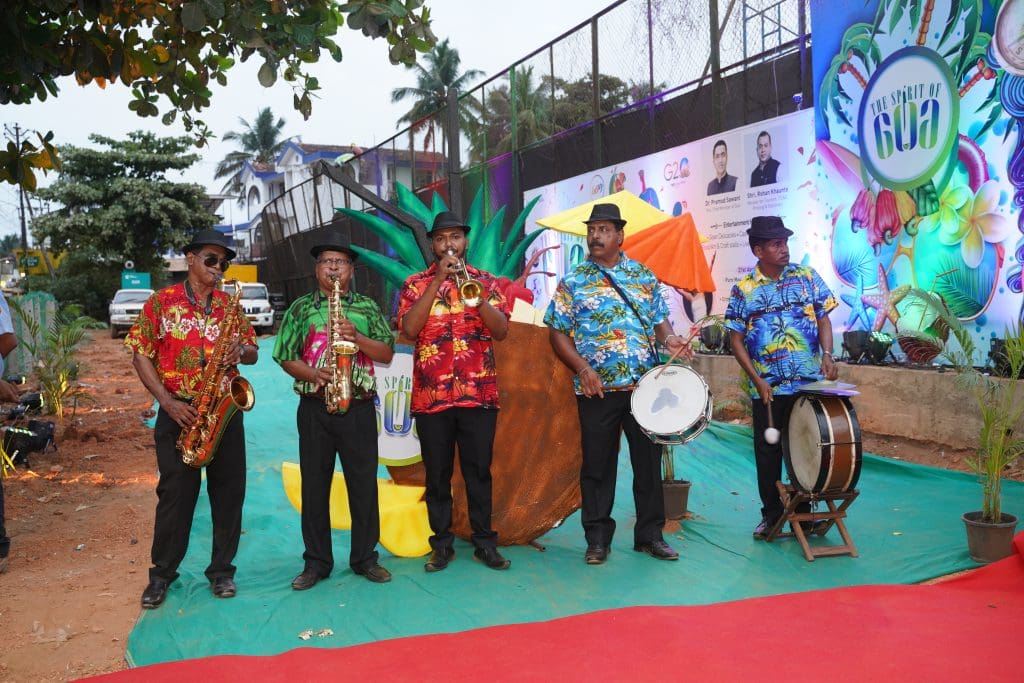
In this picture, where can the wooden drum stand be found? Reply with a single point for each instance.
(822, 521)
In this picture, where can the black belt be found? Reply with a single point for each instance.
(352, 404)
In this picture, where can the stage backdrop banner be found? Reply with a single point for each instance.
(766, 168)
(396, 434)
(919, 151)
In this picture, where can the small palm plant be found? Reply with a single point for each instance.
(53, 357)
(486, 250)
(1000, 404)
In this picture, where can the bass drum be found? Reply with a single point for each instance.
(672, 404)
(823, 444)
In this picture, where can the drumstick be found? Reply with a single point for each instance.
(671, 358)
(771, 435)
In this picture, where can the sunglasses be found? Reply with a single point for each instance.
(211, 260)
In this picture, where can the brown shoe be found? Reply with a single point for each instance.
(492, 558)
(657, 549)
(306, 580)
(224, 587)
(596, 554)
(374, 572)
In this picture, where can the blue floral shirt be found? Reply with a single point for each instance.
(604, 329)
(779, 323)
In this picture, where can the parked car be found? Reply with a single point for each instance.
(125, 308)
(280, 304)
(256, 304)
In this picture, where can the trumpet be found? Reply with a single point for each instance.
(470, 290)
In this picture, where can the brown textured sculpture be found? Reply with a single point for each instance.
(536, 467)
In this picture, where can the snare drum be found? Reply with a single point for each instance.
(672, 406)
(822, 445)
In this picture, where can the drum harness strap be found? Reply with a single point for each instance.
(629, 303)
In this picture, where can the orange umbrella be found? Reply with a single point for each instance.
(672, 250)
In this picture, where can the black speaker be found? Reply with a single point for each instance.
(716, 339)
(861, 346)
(35, 437)
(999, 361)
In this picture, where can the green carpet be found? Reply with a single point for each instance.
(906, 525)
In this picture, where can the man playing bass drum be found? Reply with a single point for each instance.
(328, 430)
(172, 341)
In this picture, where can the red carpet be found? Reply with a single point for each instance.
(963, 629)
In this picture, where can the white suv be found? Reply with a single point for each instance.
(125, 308)
(256, 304)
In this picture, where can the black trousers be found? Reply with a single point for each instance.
(323, 437)
(768, 457)
(602, 421)
(178, 490)
(473, 430)
(5, 542)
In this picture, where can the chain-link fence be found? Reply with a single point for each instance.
(639, 76)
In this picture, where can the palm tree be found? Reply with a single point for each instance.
(260, 142)
(430, 93)
(532, 100)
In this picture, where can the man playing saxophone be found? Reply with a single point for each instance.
(173, 340)
(454, 312)
(328, 342)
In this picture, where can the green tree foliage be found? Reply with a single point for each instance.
(430, 94)
(169, 52)
(118, 204)
(8, 243)
(82, 279)
(259, 142)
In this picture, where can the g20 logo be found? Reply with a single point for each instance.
(909, 116)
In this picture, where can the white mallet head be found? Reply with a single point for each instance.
(771, 435)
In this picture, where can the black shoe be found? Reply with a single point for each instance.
(223, 587)
(819, 527)
(492, 558)
(306, 580)
(657, 549)
(439, 559)
(154, 594)
(374, 572)
(762, 529)
(596, 553)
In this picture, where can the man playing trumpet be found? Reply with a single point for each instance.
(328, 429)
(455, 387)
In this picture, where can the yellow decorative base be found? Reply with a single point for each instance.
(404, 529)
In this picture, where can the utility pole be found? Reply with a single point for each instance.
(21, 195)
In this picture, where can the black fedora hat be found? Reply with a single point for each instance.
(212, 238)
(448, 219)
(332, 241)
(767, 228)
(606, 212)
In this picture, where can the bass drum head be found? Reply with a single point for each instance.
(802, 446)
(670, 402)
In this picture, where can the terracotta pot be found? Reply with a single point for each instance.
(677, 494)
(989, 541)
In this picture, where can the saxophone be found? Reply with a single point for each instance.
(338, 392)
(198, 444)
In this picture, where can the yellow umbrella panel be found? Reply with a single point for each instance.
(637, 213)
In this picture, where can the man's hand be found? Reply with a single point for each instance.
(763, 389)
(347, 329)
(590, 383)
(446, 266)
(674, 343)
(234, 355)
(829, 368)
(182, 413)
(322, 376)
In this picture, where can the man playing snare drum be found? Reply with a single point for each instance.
(782, 338)
(605, 317)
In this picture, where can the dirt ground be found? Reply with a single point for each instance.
(81, 524)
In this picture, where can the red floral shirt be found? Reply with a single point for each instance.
(178, 336)
(454, 362)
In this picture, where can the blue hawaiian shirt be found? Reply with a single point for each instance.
(779, 323)
(604, 329)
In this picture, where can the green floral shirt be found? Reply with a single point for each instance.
(303, 336)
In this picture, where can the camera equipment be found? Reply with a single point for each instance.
(35, 437)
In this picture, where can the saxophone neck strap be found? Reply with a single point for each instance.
(208, 309)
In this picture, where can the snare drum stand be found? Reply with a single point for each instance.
(792, 497)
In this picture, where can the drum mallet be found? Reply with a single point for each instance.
(771, 435)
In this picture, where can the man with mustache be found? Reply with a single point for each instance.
(605, 317)
(172, 341)
(455, 387)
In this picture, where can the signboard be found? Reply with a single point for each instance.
(132, 280)
(396, 435)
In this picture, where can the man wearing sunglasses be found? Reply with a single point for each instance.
(302, 350)
(172, 339)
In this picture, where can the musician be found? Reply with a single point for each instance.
(605, 335)
(782, 338)
(172, 339)
(455, 386)
(303, 351)
(8, 341)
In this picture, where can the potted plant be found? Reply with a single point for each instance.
(1000, 404)
(676, 491)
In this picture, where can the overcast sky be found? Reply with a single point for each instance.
(354, 105)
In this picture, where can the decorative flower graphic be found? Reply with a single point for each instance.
(979, 221)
